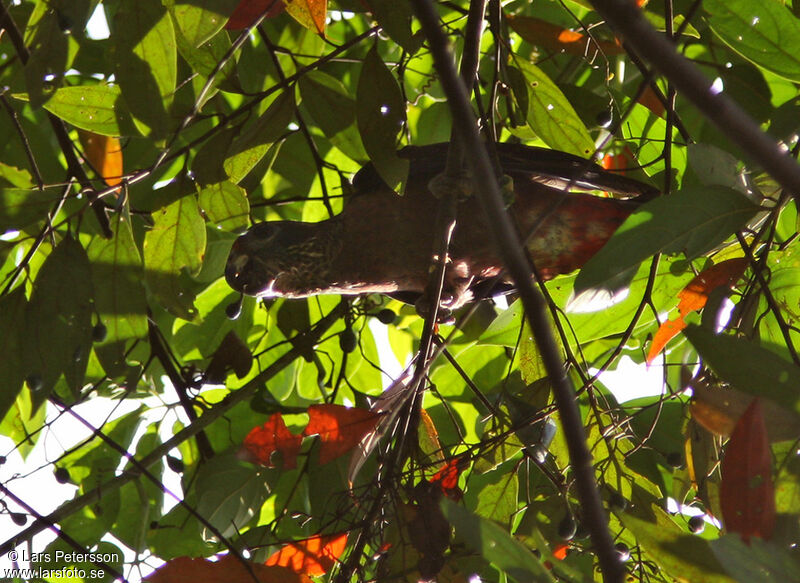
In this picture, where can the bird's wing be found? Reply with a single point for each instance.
(553, 168)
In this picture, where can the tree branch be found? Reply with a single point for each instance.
(730, 119)
(488, 193)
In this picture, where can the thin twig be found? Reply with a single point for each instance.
(511, 250)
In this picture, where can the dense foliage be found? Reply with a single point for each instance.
(130, 163)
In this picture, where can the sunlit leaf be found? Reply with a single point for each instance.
(199, 21)
(263, 442)
(339, 428)
(226, 205)
(145, 59)
(95, 108)
(551, 115)
(766, 33)
(176, 242)
(692, 221)
(313, 556)
(310, 13)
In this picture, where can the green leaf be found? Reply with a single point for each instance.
(19, 208)
(765, 33)
(551, 115)
(225, 205)
(96, 108)
(176, 242)
(229, 493)
(505, 329)
(12, 372)
(495, 544)
(250, 146)
(49, 51)
(58, 321)
(200, 20)
(748, 367)
(757, 561)
(395, 19)
(332, 109)
(493, 495)
(680, 555)
(692, 220)
(117, 275)
(145, 62)
(380, 114)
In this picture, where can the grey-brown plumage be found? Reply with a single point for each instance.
(382, 242)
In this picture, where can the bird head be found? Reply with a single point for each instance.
(276, 259)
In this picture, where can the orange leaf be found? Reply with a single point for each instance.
(447, 478)
(227, 569)
(747, 495)
(339, 428)
(694, 297)
(247, 11)
(262, 442)
(556, 38)
(560, 551)
(651, 101)
(104, 153)
(313, 556)
(310, 13)
(666, 332)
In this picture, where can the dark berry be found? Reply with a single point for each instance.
(567, 528)
(675, 459)
(34, 382)
(623, 552)
(175, 464)
(348, 340)
(617, 502)
(697, 524)
(2, 459)
(19, 518)
(604, 118)
(99, 333)
(234, 309)
(61, 475)
(386, 316)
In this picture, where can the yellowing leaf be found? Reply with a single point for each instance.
(310, 13)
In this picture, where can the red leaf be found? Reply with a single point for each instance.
(447, 478)
(227, 569)
(313, 556)
(560, 551)
(339, 428)
(694, 297)
(747, 494)
(262, 442)
(247, 11)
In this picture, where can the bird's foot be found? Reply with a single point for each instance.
(459, 186)
(444, 315)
